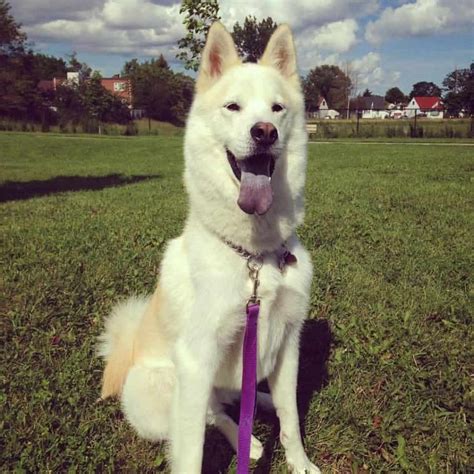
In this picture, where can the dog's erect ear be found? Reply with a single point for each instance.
(280, 53)
(218, 55)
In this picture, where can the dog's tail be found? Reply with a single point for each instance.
(116, 343)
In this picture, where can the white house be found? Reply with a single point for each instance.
(374, 107)
(323, 108)
(431, 107)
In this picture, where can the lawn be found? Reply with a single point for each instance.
(387, 353)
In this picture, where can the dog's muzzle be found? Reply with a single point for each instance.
(255, 174)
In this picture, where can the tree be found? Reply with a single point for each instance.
(100, 104)
(367, 93)
(252, 38)
(395, 96)
(74, 65)
(163, 94)
(198, 18)
(12, 40)
(329, 82)
(183, 92)
(425, 89)
(88, 102)
(19, 97)
(459, 90)
(455, 81)
(47, 67)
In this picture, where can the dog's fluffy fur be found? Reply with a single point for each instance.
(175, 357)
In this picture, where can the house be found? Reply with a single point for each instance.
(425, 106)
(119, 86)
(373, 107)
(322, 108)
(55, 82)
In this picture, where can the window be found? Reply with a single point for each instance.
(119, 86)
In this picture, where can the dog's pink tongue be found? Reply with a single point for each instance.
(255, 193)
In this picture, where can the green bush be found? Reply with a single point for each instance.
(131, 129)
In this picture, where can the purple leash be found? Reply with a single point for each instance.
(250, 353)
(249, 387)
(249, 369)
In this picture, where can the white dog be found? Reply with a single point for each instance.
(175, 357)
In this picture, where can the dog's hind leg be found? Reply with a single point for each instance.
(147, 396)
(148, 390)
(230, 429)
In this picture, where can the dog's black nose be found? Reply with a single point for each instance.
(264, 133)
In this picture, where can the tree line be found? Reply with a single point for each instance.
(158, 91)
(22, 69)
(165, 95)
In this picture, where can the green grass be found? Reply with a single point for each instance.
(390, 231)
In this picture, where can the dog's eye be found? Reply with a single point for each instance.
(233, 107)
(277, 108)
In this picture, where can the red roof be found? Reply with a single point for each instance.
(429, 103)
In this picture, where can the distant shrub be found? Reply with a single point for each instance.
(130, 129)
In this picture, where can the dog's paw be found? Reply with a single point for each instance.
(302, 466)
(256, 449)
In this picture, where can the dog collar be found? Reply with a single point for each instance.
(283, 255)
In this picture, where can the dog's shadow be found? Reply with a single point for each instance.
(312, 377)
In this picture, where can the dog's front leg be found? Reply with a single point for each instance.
(196, 359)
(283, 389)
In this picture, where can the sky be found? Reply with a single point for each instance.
(383, 43)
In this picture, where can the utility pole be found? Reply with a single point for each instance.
(348, 91)
(352, 87)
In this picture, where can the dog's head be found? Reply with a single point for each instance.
(246, 121)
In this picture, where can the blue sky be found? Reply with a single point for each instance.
(382, 43)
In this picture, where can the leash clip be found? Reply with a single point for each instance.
(254, 264)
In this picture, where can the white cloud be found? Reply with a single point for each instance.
(339, 36)
(140, 14)
(367, 72)
(33, 12)
(147, 26)
(421, 18)
(300, 14)
(138, 27)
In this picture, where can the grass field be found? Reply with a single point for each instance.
(387, 354)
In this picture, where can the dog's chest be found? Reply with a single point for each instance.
(272, 322)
